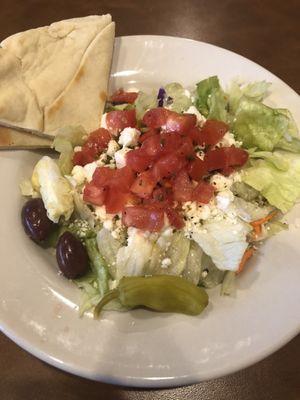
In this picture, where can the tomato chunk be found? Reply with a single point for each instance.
(156, 117)
(197, 169)
(94, 195)
(93, 147)
(203, 193)
(153, 146)
(180, 123)
(174, 218)
(116, 200)
(120, 97)
(196, 136)
(142, 217)
(213, 131)
(98, 140)
(222, 158)
(116, 121)
(183, 187)
(144, 184)
(138, 160)
(150, 132)
(168, 165)
(83, 157)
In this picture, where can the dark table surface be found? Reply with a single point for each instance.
(266, 31)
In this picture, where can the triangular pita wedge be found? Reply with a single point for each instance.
(12, 139)
(56, 75)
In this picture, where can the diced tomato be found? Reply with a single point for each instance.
(186, 149)
(102, 176)
(197, 169)
(183, 187)
(156, 117)
(153, 146)
(213, 131)
(203, 193)
(161, 198)
(118, 120)
(180, 123)
(138, 160)
(93, 147)
(150, 132)
(98, 140)
(115, 201)
(120, 97)
(144, 184)
(168, 165)
(171, 142)
(224, 157)
(120, 179)
(94, 195)
(83, 157)
(227, 171)
(174, 218)
(196, 136)
(142, 217)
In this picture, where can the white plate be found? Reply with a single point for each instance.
(140, 348)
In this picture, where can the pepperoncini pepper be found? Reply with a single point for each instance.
(164, 293)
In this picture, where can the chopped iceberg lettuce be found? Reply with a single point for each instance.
(275, 159)
(210, 99)
(180, 101)
(211, 276)
(224, 240)
(144, 102)
(257, 125)
(280, 188)
(133, 258)
(193, 267)
(108, 247)
(255, 91)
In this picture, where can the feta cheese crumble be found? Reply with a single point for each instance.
(129, 137)
(112, 148)
(200, 118)
(120, 158)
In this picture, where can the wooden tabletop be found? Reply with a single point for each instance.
(266, 31)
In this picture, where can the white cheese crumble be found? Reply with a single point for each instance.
(78, 174)
(89, 170)
(166, 262)
(200, 118)
(221, 182)
(112, 148)
(77, 148)
(103, 123)
(120, 158)
(224, 199)
(129, 137)
(228, 140)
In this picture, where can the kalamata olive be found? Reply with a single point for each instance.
(71, 256)
(35, 221)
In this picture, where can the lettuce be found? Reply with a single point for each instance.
(144, 102)
(253, 91)
(280, 188)
(276, 160)
(258, 125)
(210, 99)
(180, 101)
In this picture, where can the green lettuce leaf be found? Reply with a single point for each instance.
(276, 160)
(210, 99)
(181, 102)
(253, 91)
(144, 102)
(258, 125)
(280, 188)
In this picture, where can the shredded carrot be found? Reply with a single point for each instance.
(248, 254)
(263, 220)
(257, 225)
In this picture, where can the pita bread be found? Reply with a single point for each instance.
(56, 75)
(12, 139)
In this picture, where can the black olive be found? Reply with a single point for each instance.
(71, 256)
(35, 221)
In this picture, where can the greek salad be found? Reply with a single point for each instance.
(169, 197)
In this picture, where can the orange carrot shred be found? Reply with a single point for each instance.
(248, 254)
